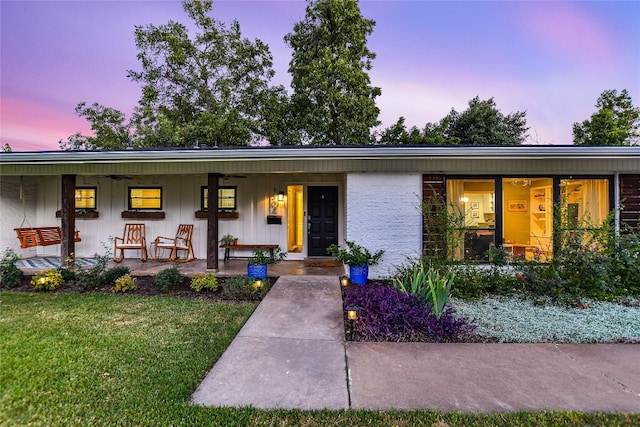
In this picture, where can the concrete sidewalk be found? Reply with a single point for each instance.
(291, 354)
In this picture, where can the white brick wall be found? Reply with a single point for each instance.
(383, 212)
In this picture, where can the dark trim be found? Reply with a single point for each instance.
(213, 181)
(142, 214)
(630, 201)
(68, 219)
(221, 215)
(222, 187)
(144, 187)
(95, 200)
(82, 214)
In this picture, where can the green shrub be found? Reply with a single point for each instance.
(124, 283)
(89, 278)
(10, 274)
(355, 254)
(168, 278)
(49, 280)
(109, 276)
(68, 274)
(204, 281)
(432, 287)
(245, 288)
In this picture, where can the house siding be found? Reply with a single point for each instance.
(383, 212)
(630, 201)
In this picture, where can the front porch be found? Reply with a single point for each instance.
(31, 266)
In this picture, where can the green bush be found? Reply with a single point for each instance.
(475, 281)
(245, 288)
(168, 278)
(204, 281)
(109, 276)
(68, 274)
(89, 278)
(124, 283)
(10, 275)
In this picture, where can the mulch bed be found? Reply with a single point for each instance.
(145, 288)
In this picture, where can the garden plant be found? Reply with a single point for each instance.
(10, 274)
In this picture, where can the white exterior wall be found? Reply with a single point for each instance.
(16, 212)
(181, 199)
(382, 212)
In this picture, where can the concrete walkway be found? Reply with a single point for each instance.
(291, 354)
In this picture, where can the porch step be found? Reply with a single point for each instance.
(321, 261)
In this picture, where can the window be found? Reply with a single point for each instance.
(85, 197)
(471, 203)
(528, 216)
(226, 198)
(145, 198)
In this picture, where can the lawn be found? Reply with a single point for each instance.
(127, 360)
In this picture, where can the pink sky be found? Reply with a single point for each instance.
(552, 58)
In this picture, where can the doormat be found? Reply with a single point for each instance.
(52, 262)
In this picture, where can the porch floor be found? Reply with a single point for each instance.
(35, 265)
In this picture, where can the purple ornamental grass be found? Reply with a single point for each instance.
(388, 314)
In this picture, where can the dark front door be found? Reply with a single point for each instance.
(322, 209)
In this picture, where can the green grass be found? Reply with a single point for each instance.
(126, 360)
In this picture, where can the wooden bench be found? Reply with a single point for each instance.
(245, 246)
(41, 236)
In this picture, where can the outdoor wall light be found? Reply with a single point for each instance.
(281, 197)
(344, 281)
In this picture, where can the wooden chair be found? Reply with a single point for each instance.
(134, 237)
(182, 242)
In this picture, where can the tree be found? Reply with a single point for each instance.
(108, 124)
(617, 122)
(483, 124)
(212, 88)
(480, 124)
(333, 101)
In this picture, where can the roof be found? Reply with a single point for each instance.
(283, 158)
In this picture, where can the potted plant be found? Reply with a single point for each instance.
(229, 239)
(258, 262)
(357, 258)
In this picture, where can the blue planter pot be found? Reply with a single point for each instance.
(359, 274)
(257, 271)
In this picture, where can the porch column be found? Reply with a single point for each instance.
(68, 216)
(212, 221)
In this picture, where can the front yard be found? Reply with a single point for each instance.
(121, 360)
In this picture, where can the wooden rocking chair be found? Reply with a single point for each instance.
(134, 237)
(182, 242)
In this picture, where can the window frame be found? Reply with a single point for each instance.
(95, 198)
(204, 190)
(129, 198)
(555, 188)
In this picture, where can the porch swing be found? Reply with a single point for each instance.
(38, 236)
